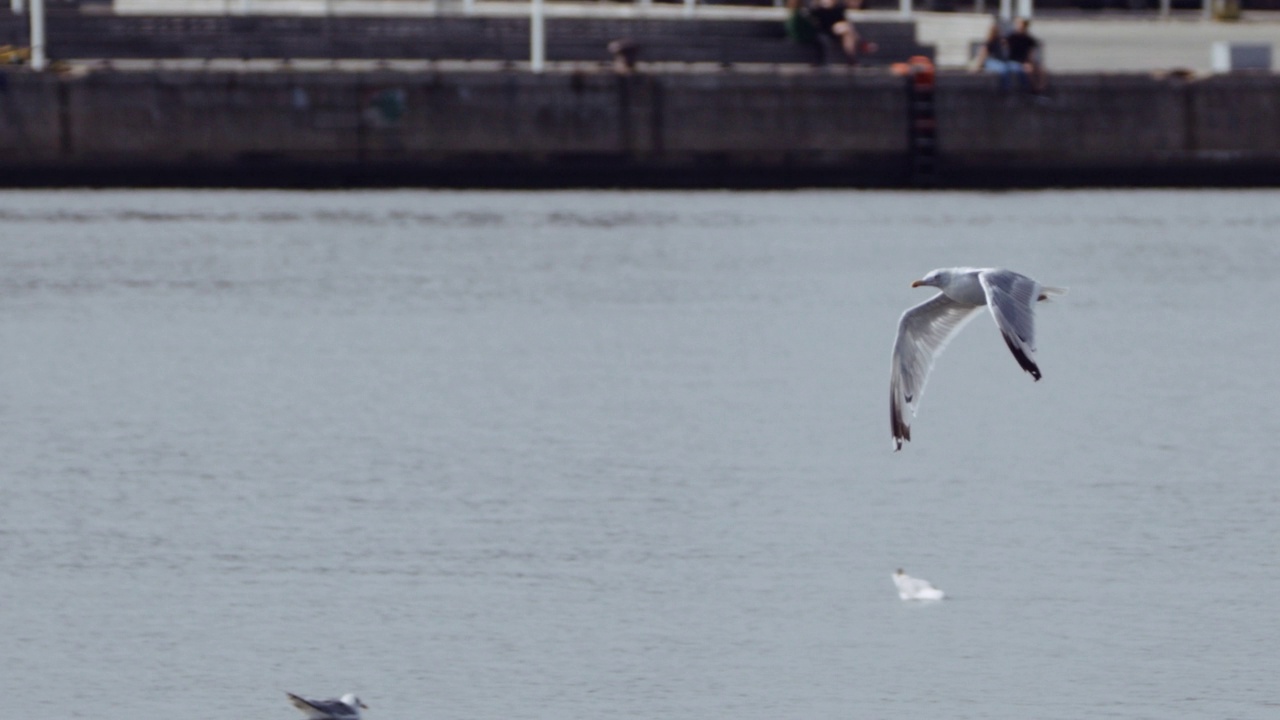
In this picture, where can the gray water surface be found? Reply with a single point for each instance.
(589, 454)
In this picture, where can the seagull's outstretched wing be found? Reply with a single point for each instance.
(1012, 299)
(923, 332)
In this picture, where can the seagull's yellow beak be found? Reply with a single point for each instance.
(918, 283)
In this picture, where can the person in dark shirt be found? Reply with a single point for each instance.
(802, 30)
(993, 55)
(828, 17)
(1024, 49)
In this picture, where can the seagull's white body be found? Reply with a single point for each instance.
(924, 330)
(346, 707)
(910, 588)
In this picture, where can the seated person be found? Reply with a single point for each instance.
(993, 53)
(829, 19)
(802, 30)
(1024, 49)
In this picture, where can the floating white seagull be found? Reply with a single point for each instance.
(925, 329)
(910, 588)
(345, 708)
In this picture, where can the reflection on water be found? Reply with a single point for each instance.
(553, 455)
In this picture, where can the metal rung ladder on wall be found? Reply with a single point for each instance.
(922, 122)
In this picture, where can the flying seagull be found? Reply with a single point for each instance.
(345, 708)
(924, 330)
(910, 588)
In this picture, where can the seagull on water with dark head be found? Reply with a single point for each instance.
(924, 330)
(910, 588)
(346, 707)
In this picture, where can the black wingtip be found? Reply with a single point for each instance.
(901, 430)
(1023, 361)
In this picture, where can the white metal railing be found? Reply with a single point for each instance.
(1007, 8)
(537, 18)
(1026, 8)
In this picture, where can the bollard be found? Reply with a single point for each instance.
(38, 59)
(537, 36)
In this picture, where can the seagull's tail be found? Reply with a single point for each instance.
(1048, 291)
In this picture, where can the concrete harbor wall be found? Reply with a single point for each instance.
(731, 129)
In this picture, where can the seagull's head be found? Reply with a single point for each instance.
(935, 278)
(351, 701)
